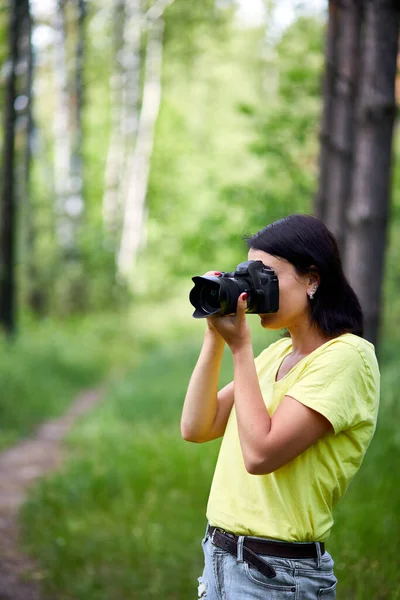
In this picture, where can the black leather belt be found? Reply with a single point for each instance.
(251, 547)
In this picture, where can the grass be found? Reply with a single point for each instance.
(50, 362)
(107, 526)
(124, 517)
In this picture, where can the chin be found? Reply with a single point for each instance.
(267, 322)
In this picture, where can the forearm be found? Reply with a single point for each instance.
(201, 405)
(253, 419)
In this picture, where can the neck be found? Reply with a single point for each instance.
(306, 338)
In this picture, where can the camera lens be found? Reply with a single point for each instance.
(209, 298)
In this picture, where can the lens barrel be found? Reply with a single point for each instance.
(209, 298)
(215, 296)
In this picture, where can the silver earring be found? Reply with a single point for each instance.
(311, 294)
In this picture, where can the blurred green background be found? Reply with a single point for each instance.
(235, 147)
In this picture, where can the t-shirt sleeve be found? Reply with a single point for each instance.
(339, 384)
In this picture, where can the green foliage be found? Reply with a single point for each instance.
(188, 23)
(189, 27)
(235, 148)
(201, 146)
(230, 158)
(287, 127)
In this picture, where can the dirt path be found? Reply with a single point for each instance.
(20, 467)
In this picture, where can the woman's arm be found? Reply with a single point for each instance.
(205, 410)
(267, 443)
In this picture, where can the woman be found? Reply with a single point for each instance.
(296, 422)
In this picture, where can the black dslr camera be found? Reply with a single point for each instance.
(218, 296)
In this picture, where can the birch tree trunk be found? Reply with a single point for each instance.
(62, 132)
(339, 171)
(125, 87)
(134, 214)
(115, 155)
(34, 295)
(321, 199)
(126, 91)
(29, 60)
(131, 96)
(8, 194)
(75, 202)
(368, 214)
(156, 11)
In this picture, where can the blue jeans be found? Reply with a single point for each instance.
(226, 577)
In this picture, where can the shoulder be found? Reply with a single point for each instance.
(348, 351)
(341, 381)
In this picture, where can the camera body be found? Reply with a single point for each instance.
(218, 296)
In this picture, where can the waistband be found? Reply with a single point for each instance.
(269, 547)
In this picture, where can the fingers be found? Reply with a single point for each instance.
(242, 304)
(212, 273)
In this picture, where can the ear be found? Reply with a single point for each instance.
(313, 276)
(313, 282)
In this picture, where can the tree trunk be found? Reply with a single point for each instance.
(115, 155)
(75, 203)
(156, 11)
(133, 225)
(62, 135)
(8, 195)
(368, 214)
(321, 200)
(339, 173)
(29, 129)
(131, 96)
(34, 295)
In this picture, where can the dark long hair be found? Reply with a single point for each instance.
(310, 247)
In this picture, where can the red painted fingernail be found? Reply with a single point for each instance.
(244, 296)
(217, 273)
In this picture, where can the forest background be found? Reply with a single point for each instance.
(121, 200)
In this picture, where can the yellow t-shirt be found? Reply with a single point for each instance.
(340, 380)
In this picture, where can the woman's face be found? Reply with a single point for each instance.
(294, 305)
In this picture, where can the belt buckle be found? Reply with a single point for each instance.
(219, 530)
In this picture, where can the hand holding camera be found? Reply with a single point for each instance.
(252, 288)
(216, 294)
